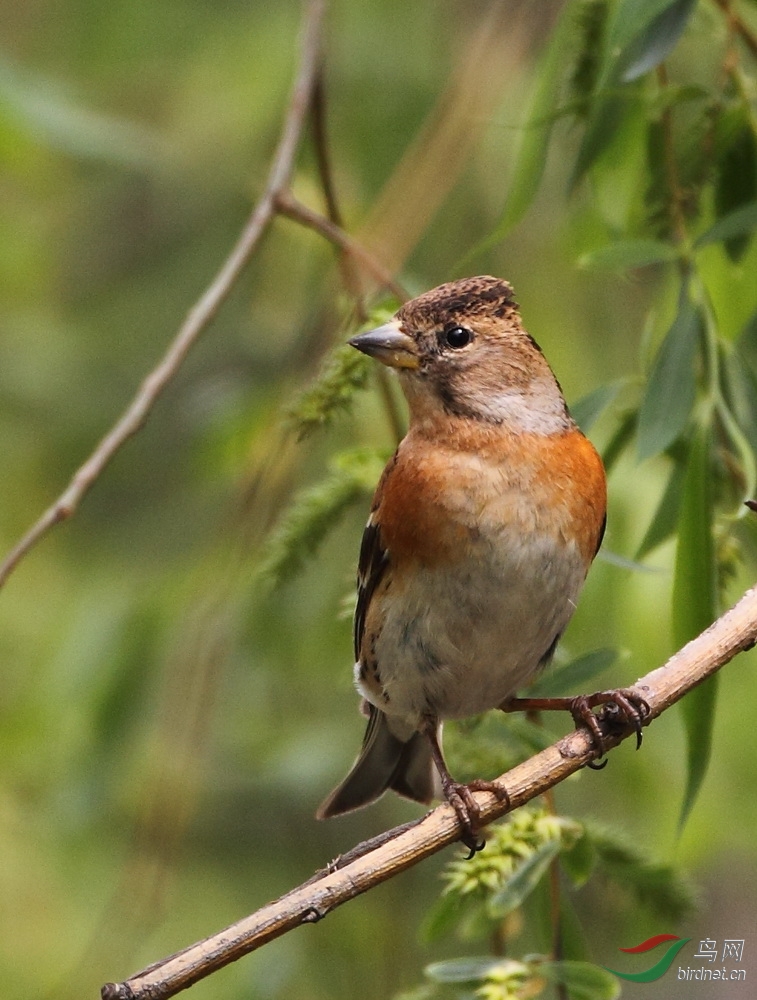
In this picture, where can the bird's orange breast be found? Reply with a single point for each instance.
(439, 499)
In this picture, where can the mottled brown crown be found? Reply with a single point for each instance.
(469, 297)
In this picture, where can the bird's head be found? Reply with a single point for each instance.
(461, 351)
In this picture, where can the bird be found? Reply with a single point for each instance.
(481, 533)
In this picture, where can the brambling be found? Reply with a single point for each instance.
(480, 536)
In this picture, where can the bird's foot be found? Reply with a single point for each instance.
(460, 796)
(620, 707)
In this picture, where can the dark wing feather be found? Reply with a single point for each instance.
(371, 566)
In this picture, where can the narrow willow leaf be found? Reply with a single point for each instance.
(471, 970)
(620, 439)
(661, 887)
(671, 388)
(571, 678)
(657, 40)
(587, 410)
(443, 917)
(630, 21)
(531, 156)
(578, 862)
(627, 21)
(695, 605)
(574, 941)
(533, 737)
(736, 181)
(663, 524)
(591, 23)
(582, 980)
(740, 392)
(56, 119)
(426, 991)
(737, 223)
(747, 342)
(623, 255)
(623, 562)
(601, 127)
(524, 879)
(740, 388)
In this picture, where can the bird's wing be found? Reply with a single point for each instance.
(371, 566)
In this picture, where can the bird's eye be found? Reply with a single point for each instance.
(457, 337)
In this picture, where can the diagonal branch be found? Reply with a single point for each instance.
(396, 850)
(738, 25)
(293, 209)
(205, 309)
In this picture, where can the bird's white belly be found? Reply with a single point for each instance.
(464, 639)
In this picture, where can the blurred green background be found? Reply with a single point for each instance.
(166, 727)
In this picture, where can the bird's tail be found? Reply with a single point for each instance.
(384, 762)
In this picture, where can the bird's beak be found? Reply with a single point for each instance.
(389, 345)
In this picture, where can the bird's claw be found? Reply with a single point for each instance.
(460, 797)
(620, 707)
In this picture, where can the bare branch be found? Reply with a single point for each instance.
(739, 26)
(396, 850)
(205, 309)
(288, 205)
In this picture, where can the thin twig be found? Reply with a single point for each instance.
(288, 205)
(677, 215)
(404, 847)
(206, 307)
(748, 36)
(347, 263)
(350, 274)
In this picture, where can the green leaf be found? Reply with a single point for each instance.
(601, 127)
(443, 916)
(533, 737)
(657, 40)
(524, 879)
(631, 19)
(578, 862)
(663, 524)
(639, 35)
(583, 980)
(57, 120)
(737, 223)
(661, 887)
(620, 439)
(587, 410)
(573, 940)
(736, 180)
(571, 678)
(314, 511)
(472, 970)
(747, 342)
(671, 388)
(531, 157)
(426, 991)
(740, 390)
(695, 605)
(591, 22)
(623, 562)
(624, 255)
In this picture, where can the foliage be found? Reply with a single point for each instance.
(481, 894)
(167, 728)
(314, 511)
